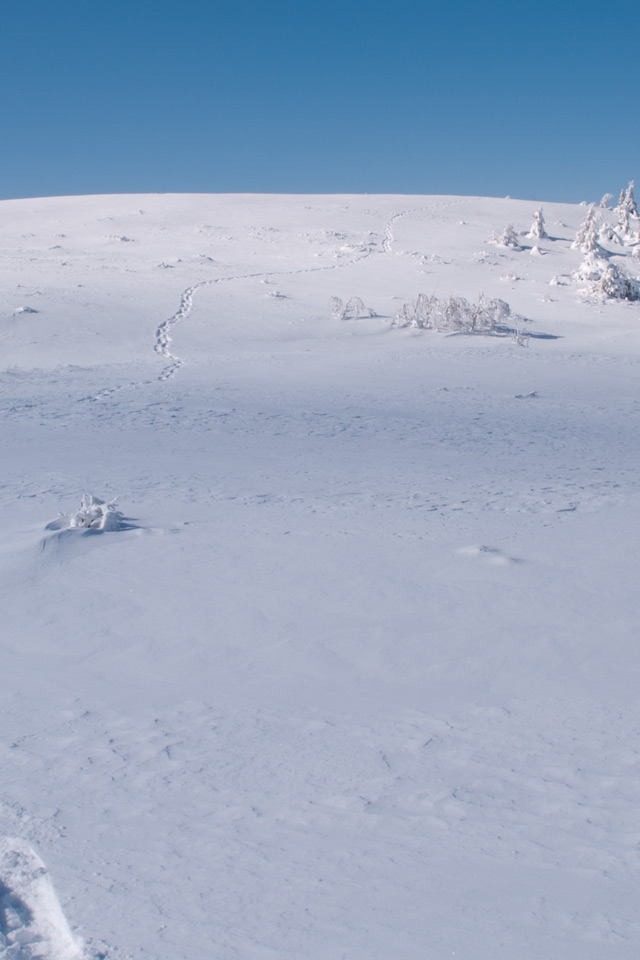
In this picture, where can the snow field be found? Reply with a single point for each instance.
(360, 675)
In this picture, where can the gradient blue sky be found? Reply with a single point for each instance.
(535, 100)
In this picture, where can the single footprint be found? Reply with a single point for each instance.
(491, 555)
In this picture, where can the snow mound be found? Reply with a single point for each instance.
(94, 516)
(32, 924)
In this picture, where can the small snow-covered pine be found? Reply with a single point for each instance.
(508, 238)
(586, 238)
(627, 210)
(538, 227)
(630, 200)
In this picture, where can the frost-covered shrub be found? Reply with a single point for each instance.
(508, 238)
(490, 315)
(605, 281)
(455, 314)
(537, 227)
(354, 309)
(421, 314)
(94, 514)
(337, 306)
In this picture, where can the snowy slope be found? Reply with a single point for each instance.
(353, 671)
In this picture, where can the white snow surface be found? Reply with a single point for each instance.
(341, 658)
(32, 924)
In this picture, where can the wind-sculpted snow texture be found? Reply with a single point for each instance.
(360, 678)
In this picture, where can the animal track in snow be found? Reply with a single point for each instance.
(163, 339)
(388, 230)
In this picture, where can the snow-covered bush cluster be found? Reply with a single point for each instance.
(606, 281)
(595, 229)
(93, 514)
(353, 309)
(509, 238)
(457, 314)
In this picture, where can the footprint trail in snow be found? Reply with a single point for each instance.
(163, 339)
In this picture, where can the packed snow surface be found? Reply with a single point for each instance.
(319, 627)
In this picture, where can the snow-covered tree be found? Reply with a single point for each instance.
(587, 236)
(630, 200)
(605, 280)
(607, 234)
(627, 210)
(624, 221)
(537, 227)
(508, 238)
(606, 200)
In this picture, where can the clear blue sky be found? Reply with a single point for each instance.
(537, 100)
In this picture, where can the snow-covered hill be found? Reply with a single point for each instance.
(350, 669)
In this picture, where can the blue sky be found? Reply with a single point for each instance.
(534, 100)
